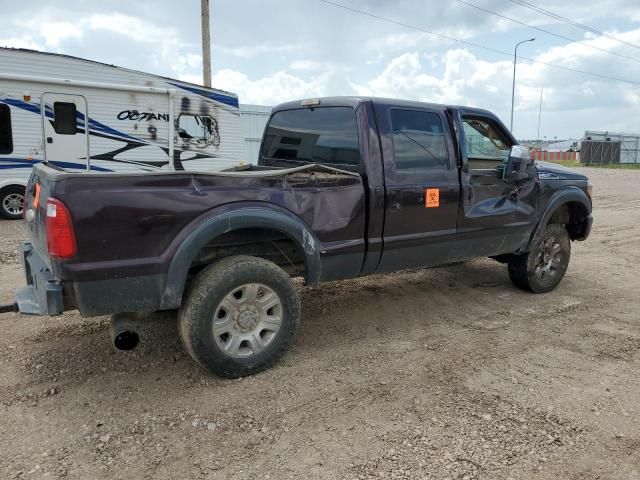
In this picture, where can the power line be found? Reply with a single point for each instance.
(571, 22)
(476, 45)
(580, 42)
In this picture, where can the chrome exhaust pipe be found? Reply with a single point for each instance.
(124, 332)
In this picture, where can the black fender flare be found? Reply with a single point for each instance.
(272, 217)
(566, 195)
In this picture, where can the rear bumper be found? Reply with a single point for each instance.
(43, 293)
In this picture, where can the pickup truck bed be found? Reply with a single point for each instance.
(161, 210)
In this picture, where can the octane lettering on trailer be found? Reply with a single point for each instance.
(137, 116)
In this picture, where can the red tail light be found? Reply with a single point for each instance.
(61, 239)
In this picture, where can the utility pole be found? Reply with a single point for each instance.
(513, 88)
(206, 44)
(539, 115)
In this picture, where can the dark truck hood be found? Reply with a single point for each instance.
(546, 171)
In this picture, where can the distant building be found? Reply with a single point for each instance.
(564, 146)
(568, 145)
(610, 147)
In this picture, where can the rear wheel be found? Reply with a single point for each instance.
(240, 316)
(543, 267)
(12, 202)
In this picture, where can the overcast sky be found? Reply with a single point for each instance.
(270, 51)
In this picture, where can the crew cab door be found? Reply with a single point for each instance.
(422, 187)
(496, 215)
(65, 136)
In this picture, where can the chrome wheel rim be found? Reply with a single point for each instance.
(548, 258)
(13, 203)
(247, 320)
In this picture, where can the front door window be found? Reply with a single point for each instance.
(487, 147)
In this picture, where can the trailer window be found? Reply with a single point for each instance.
(195, 127)
(6, 136)
(64, 118)
(327, 135)
(419, 144)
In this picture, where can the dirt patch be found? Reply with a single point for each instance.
(11, 234)
(441, 373)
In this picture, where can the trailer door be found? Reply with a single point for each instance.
(66, 139)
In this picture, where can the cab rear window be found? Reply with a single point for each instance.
(326, 135)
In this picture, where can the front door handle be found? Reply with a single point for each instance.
(49, 140)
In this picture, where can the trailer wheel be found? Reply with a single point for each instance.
(12, 202)
(543, 267)
(240, 316)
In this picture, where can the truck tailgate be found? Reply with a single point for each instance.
(35, 207)
(43, 293)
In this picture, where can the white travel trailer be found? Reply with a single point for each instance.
(83, 115)
(254, 120)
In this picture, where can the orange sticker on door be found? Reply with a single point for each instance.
(432, 197)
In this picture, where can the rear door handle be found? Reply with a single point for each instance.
(49, 140)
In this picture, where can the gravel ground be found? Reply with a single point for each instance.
(440, 373)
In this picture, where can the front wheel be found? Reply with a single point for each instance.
(240, 316)
(543, 267)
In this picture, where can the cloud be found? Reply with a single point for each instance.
(54, 32)
(464, 78)
(131, 27)
(22, 41)
(114, 38)
(249, 51)
(269, 55)
(309, 65)
(402, 77)
(397, 41)
(271, 89)
(568, 97)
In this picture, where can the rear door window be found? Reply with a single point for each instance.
(64, 118)
(326, 135)
(419, 144)
(6, 134)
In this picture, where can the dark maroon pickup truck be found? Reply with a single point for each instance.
(344, 187)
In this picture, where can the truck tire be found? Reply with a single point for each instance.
(12, 202)
(543, 267)
(240, 316)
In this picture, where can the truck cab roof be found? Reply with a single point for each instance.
(355, 101)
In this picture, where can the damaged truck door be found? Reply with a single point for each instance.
(497, 213)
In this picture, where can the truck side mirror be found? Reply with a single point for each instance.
(518, 163)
